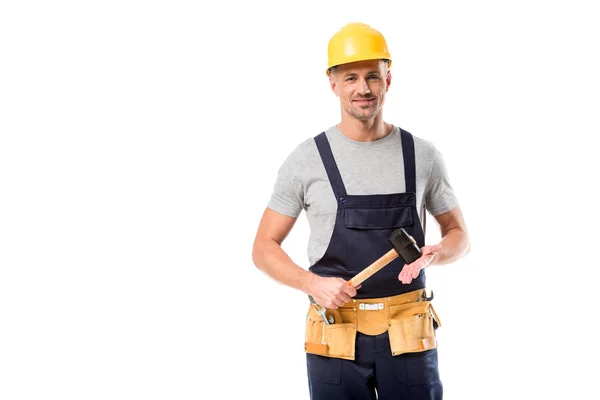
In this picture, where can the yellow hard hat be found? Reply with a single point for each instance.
(356, 42)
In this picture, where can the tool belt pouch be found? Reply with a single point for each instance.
(333, 340)
(412, 327)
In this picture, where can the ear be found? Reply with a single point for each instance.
(333, 85)
(388, 80)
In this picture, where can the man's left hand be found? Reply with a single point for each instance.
(411, 271)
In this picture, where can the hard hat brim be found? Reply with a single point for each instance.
(349, 60)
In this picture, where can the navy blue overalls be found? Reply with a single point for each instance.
(360, 236)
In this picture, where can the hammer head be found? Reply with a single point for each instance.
(405, 245)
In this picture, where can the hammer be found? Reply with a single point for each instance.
(403, 245)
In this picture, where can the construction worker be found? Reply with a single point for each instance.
(358, 181)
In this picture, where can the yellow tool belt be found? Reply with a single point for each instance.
(407, 317)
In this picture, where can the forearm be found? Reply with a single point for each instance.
(456, 244)
(270, 258)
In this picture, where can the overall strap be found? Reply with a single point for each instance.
(408, 153)
(330, 166)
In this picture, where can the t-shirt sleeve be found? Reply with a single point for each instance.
(288, 193)
(439, 194)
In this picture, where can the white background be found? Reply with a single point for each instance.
(140, 142)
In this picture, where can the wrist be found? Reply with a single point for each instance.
(307, 282)
(435, 258)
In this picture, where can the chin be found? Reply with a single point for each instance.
(364, 117)
(360, 115)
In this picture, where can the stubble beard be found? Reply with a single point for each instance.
(363, 114)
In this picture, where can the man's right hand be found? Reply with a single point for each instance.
(331, 293)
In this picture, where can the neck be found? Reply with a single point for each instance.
(365, 131)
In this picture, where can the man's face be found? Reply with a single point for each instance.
(361, 87)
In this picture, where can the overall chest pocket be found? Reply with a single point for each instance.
(390, 217)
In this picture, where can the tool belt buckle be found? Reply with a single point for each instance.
(370, 307)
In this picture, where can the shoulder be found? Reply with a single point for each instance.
(306, 148)
(425, 150)
(301, 154)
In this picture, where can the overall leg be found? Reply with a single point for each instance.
(409, 376)
(339, 379)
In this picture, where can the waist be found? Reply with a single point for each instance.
(387, 301)
(382, 284)
(373, 316)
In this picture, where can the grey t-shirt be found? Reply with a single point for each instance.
(375, 167)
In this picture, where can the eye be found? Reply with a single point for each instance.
(373, 77)
(350, 79)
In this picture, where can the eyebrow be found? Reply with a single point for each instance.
(354, 73)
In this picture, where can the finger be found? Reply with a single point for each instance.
(403, 274)
(332, 303)
(406, 271)
(338, 302)
(431, 249)
(344, 296)
(344, 299)
(349, 290)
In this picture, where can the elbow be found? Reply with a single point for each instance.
(467, 245)
(257, 254)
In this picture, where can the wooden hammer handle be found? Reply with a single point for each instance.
(371, 269)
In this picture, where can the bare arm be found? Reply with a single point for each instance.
(454, 245)
(270, 258)
(455, 238)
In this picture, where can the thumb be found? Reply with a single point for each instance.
(432, 249)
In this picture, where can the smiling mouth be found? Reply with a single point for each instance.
(364, 101)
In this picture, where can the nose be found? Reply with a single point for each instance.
(363, 87)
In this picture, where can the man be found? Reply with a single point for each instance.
(358, 182)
